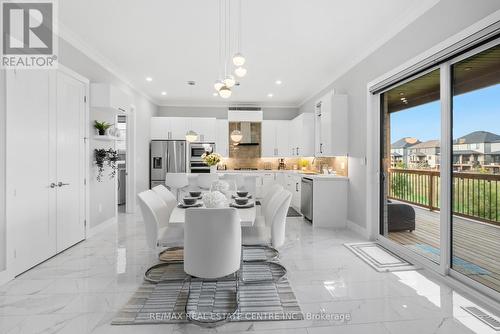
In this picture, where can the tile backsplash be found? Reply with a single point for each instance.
(338, 164)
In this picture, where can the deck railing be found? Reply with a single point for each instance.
(474, 195)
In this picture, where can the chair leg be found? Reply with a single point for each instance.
(270, 263)
(274, 251)
(212, 323)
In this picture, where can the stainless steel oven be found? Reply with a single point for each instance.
(196, 150)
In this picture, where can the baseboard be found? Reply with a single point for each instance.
(102, 226)
(358, 229)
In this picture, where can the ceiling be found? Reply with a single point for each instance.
(305, 44)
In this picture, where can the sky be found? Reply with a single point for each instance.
(472, 111)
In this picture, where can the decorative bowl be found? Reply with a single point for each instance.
(195, 193)
(242, 193)
(241, 200)
(189, 200)
(220, 186)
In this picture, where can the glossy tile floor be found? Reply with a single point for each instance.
(79, 291)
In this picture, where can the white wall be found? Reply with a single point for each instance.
(102, 194)
(445, 19)
(221, 112)
(2, 171)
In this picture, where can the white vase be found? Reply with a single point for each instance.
(213, 169)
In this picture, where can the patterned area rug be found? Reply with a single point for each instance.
(166, 302)
(293, 213)
(378, 257)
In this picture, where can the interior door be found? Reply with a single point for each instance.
(70, 161)
(28, 169)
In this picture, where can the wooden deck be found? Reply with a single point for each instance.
(476, 245)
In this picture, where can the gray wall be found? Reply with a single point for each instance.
(221, 112)
(445, 19)
(102, 194)
(2, 171)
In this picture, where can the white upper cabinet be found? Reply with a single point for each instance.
(107, 96)
(301, 135)
(331, 125)
(175, 128)
(275, 138)
(222, 137)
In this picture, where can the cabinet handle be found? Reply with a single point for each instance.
(321, 148)
(60, 184)
(53, 185)
(297, 151)
(296, 187)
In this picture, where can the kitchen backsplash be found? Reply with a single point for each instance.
(337, 164)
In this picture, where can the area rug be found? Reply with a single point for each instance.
(378, 257)
(165, 302)
(293, 213)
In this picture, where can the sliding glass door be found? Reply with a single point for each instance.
(475, 224)
(411, 127)
(440, 167)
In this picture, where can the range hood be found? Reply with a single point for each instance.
(249, 137)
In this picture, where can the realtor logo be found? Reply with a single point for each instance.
(28, 34)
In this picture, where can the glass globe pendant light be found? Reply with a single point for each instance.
(238, 59)
(236, 136)
(240, 72)
(225, 92)
(229, 81)
(218, 85)
(191, 136)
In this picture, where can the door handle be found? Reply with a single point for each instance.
(321, 148)
(60, 184)
(296, 187)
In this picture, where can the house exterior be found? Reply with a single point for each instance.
(399, 150)
(477, 149)
(424, 155)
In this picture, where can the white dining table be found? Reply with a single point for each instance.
(247, 215)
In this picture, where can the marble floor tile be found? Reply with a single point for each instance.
(80, 290)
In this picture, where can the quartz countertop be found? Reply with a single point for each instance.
(314, 176)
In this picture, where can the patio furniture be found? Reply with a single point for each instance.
(400, 217)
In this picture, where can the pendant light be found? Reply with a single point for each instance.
(236, 136)
(225, 92)
(191, 136)
(238, 59)
(240, 72)
(218, 85)
(229, 81)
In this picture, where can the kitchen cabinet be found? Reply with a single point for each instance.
(176, 128)
(293, 184)
(301, 136)
(107, 96)
(222, 137)
(331, 125)
(275, 138)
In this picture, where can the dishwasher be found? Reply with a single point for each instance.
(306, 198)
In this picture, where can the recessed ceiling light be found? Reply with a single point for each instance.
(278, 82)
(270, 95)
(468, 68)
(149, 79)
(164, 93)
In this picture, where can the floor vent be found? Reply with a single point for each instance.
(484, 317)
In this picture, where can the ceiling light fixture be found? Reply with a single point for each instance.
(229, 81)
(215, 94)
(163, 93)
(149, 79)
(240, 72)
(218, 85)
(225, 92)
(236, 136)
(238, 59)
(270, 95)
(278, 82)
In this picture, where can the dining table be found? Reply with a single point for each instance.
(247, 215)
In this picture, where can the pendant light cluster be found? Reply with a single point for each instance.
(225, 83)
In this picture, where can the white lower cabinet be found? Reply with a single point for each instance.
(45, 164)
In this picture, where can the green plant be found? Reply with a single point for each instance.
(211, 159)
(101, 127)
(100, 159)
(112, 156)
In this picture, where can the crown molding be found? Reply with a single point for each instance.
(69, 36)
(397, 27)
(214, 104)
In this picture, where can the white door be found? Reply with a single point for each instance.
(30, 219)
(70, 161)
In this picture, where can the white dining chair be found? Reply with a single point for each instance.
(272, 191)
(272, 233)
(177, 181)
(167, 197)
(235, 181)
(155, 213)
(205, 180)
(212, 250)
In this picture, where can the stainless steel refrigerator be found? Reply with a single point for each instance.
(166, 156)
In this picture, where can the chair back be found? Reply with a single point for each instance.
(235, 181)
(212, 242)
(278, 221)
(176, 180)
(205, 180)
(273, 190)
(153, 211)
(167, 197)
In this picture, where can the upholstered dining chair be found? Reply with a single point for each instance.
(272, 191)
(212, 249)
(169, 199)
(155, 213)
(177, 181)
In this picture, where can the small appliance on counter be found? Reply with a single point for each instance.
(281, 164)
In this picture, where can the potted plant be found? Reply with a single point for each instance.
(211, 160)
(112, 156)
(101, 127)
(100, 159)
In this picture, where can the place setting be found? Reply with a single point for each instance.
(242, 200)
(191, 201)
